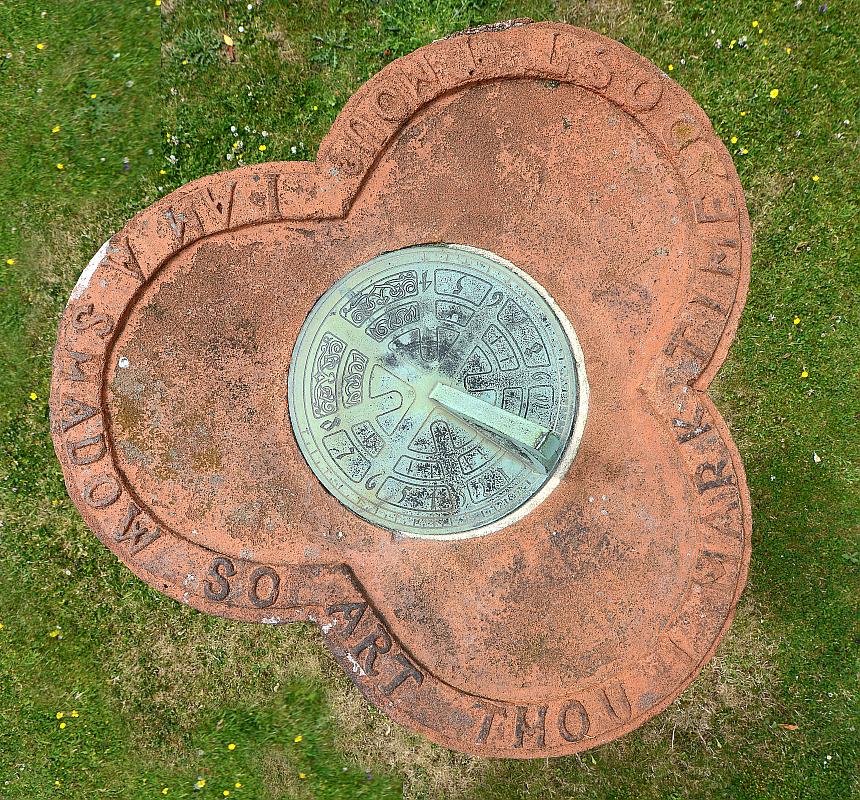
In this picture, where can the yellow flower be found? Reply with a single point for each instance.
(237, 785)
(302, 775)
(157, 3)
(261, 147)
(788, 50)
(231, 746)
(34, 396)
(60, 715)
(10, 261)
(671, 67)
(55, 129)
(226, 793)
(200, 784)
(165, 790)
(315, 108)
(755, 23)
(732, 43)
(744, 151)
(774, 93)
(2, 626)
(816, 178)
(743, 113)
(764, 41)
(93, 96)
(60, 166)
(162, 172)
(796, 320)
(62, 725)
(40, 46)
(74, 713)
(734, 140)
(184, 61)
(804, 374)
(54, 633)
(297, 738)
(228, 41)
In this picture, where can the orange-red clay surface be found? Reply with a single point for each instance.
(586, 167)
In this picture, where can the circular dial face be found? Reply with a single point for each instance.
(437, 391)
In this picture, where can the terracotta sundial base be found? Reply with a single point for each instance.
(569, 245)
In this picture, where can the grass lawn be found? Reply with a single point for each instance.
(109, 690)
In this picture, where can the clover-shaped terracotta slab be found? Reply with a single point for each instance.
(610, 224)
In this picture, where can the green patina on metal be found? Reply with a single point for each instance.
(437, 391)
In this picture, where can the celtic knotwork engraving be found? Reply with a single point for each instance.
(324, 375)
(362, 307)
(395, 319)
(353, 378)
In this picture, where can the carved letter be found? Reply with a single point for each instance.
(536, 729)
(376, 643)
(715, 260)
(135, 531)
(417, 71)
(91, 489)
(710, 303)
(615, 701)
(274, 201)
(78, 412)
(581, 725)
(214, 215)
(80, 323)
(678, 339)
(364, 135)
(490, 713)
(73, 448)
(716, 212)
(176, 220)
(256, 576)
(129, 265)
(643, 94)
(717, 479)
(75, 371)
(390, 106)
(220, 589)
(694, 428)
(352, 614)
(409, 671)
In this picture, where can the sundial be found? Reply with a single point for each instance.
(441, 392)
(434, 391)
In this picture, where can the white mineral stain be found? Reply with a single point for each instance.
(356, 667)
(271, 620)
(87, 274)
(123, 363)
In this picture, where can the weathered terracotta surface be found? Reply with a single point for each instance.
(581, 163)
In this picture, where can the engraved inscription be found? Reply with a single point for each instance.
(371, 651)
